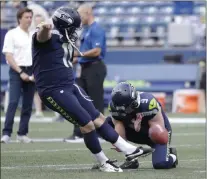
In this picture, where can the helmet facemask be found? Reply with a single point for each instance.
(134, 104)
(72, 37)
(71, 34)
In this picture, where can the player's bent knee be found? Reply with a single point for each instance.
(87, 128)
(162, 165)
(99, 120)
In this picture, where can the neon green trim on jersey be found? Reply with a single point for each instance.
(61, 111)
(109, 107)
(152, 104)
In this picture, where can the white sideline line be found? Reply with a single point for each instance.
(78, 165)
(200, 171)
(82, 149)
(172, 120)
(65, 129)
(56, 140)
(101, 140)
(174, 134)
(188, 134)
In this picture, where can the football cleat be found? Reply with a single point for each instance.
(139, 152)
(24, 139)
(97, 166)
(109, 166)
(174, 151)
(134, 164)
(5, 139)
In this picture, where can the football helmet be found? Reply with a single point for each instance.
(125, 97)
(67, 21)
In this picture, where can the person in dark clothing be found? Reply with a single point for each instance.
(93, 69)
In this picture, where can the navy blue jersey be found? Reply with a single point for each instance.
(51, 63)
(148, 108)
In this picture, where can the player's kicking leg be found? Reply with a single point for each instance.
(106, 131)
(65, 102)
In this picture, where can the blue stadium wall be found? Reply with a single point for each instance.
(135, 56)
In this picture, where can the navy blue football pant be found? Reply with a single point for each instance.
(72, 103)
(160, 157)
(18, 87)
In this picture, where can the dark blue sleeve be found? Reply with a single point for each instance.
(36, 42)
(98, 38)
(149, 105)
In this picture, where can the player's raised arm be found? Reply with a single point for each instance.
(44, 32)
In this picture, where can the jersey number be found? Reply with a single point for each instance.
(144, 100)
(68, 55)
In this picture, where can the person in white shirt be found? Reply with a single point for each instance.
(17, 50)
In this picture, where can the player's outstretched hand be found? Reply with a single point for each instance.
(45, 25)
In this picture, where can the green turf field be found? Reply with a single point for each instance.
(59, 160)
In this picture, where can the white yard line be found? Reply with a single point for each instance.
(200, 171)
(172, 120)
(45, 140)
(188, 134)
(174, 133)
(101, 140)
(77, 166)
(83, 149)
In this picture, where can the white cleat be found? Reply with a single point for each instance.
(109, 166)
(24, 139)
(5, 139)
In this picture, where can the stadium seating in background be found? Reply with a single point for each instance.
(147, 21)
(133, 24)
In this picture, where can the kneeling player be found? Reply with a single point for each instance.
(138, 117)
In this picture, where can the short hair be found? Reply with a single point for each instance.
(21, 11)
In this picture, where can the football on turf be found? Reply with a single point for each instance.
(158, 135)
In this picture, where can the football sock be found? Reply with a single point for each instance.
(108, 133)
(124, 146)
(92, 142)
(101, 157)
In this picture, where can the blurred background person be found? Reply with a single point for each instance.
(39, 14)
(17, 50)
(93, 69)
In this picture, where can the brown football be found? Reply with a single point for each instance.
(158, 135)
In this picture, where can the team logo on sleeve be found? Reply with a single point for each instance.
(152, 104)
(109, 107)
